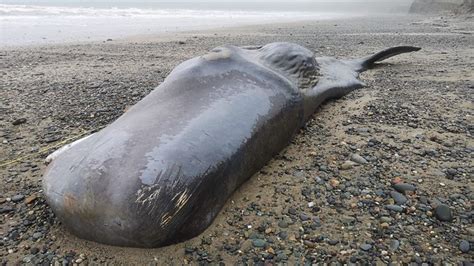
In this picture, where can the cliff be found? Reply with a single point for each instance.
(437, 6)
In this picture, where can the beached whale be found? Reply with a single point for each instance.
(162, 171)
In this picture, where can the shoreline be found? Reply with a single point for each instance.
(185, 33)
(412, 122)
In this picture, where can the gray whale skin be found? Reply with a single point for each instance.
(162, 171)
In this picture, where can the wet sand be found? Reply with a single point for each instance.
(412, 123)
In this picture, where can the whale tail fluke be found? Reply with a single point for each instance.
(369, 61)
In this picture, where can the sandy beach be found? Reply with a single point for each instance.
(412, 124)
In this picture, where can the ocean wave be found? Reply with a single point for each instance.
(39, 11)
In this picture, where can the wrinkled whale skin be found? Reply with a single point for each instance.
(163, 170)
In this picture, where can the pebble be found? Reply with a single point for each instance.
(283, 224)
(347, 165)
(18, 198)
(358, 159)
(34, 250)
(366, 247)
(334, 182)
(443, 213)
(37, 235)
(464, 246)
(28, 258)
(19, 121)
(399, 198)
(304, 217)
(394, 208)
(384, 225)
(292, 211)
(30, 199)
(6, 209)
(394, 244)
(404, 187)
(259, 243)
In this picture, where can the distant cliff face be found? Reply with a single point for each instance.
(436, 6)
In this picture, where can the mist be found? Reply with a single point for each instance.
(349, 6)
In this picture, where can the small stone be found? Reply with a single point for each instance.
(334, 182)
(443, 213)
(394, 244)
(404, 187)
(282, 256)
(34, 250)
(396, 180)
(348, 220)
(6, 209)
(399, 198)
(311, 204)
(19, 121)
(451, 172)
(28, 258)
(333, 242)
(304, 217)
(292, 211)
(384, 225)
(37, 235)
(283, 235)
(309, 244)
(17, 198)
(464, 246)
(30, 199)
(259, 243)
(366, 247)
(347, 165)
(246, 245)
(394, 208)
(358, 159)
(283, 224)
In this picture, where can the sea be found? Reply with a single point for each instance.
(58, 21)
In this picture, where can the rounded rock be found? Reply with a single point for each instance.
(366, 247)
(18, 198)
(394, 208)
(394, 244)
(464, 246)
(399, 198)
(259, 243)
(358, 159)
(443, 213)
(404, 187)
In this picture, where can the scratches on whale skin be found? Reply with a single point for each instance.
(165, 220)
(182, 200)
(156, 202)
(147, 198)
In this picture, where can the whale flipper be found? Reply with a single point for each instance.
(368, 62)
